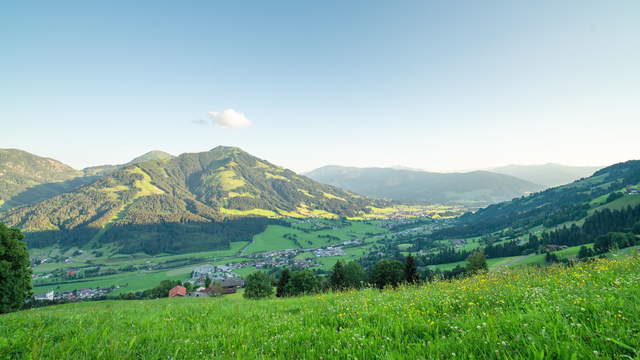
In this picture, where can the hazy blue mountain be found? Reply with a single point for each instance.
(548, 175)
(470, 188)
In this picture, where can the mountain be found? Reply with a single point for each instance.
(26, 178)
(471, 188)
(106, 169)
(191, 202)
(549, 175)
(613, 187)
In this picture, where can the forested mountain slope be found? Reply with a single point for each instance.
(473, 188)
(26, 178)
(555, 206)
(106, 169)
(193, 201)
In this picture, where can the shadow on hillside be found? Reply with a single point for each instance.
(42, 192)
(158, 238)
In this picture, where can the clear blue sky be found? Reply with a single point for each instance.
(439, 85)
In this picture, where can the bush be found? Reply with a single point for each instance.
(258, 286)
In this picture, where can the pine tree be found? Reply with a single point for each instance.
(411, 270)
(285, 276)
(338, 278)
(476, 262)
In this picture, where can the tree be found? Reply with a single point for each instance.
(15, 273)
(207, 281)
(258, 286)
(354, 275)
(585, 252)
(338, 276)
(302, 282)
(476, 262)
(387, 272)
(285, 276)
(551, 258)
(411, 270)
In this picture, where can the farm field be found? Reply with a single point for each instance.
(142, 271)
(582, 312)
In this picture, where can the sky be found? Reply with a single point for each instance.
(437, 85)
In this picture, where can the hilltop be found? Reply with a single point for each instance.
(205, 197)
(476, 188)
(26, 178)
(549, 175)
(106, 169)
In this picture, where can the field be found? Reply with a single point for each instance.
(150, 270)
(588, 311)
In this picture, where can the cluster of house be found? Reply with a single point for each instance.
(219, 288)
(41, 276)
(82, 294)
(552, 247)
(214, 273)
(329, 251)
(633, 190)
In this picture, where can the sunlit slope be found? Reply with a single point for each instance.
(179, 198)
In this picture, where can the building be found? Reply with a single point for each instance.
(178, 291)
(199, 293)
(232, 283)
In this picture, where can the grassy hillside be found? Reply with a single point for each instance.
(556, 206)
(583, 312)
(193, 202)
(477, 188)
(26, 178)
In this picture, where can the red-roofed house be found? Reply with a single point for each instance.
(178, 291)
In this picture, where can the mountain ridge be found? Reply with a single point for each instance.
(156, 199)
(467, 188)
(549, 174)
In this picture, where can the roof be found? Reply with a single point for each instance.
(178, 291)
(232, 282)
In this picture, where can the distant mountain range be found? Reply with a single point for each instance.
(476, 188)
(176, 203)
(549, 175)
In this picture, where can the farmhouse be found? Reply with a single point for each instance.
(178, 291)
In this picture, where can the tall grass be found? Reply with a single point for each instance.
(589, 311)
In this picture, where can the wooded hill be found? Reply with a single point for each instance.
(26, 178)
(191, 202)
(552, 207)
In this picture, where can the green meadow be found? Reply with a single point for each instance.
(588, 311)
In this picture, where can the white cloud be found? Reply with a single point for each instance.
(230, 119)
